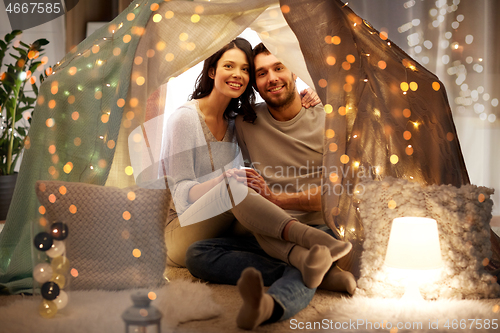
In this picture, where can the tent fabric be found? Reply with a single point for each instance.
(97, 96)
(388, 115)
(103, 99)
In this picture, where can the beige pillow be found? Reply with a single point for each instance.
(462, 214)
(115, 235)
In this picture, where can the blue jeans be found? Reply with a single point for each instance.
(222, 260)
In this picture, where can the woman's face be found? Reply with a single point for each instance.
(231, 76)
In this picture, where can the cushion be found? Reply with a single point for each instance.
(462, 214)
(115, 235)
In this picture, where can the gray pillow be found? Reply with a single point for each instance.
(107, 231)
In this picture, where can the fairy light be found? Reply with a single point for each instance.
(456, 63)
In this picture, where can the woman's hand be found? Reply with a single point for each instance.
(309, 98)
(198, 190)
(229, 173)
(256, 182)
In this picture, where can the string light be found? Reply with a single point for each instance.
(456, 65)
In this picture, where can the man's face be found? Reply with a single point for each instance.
(275, 82)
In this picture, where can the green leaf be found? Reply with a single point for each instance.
(34, 66)
(21, 51)
(8, 84)
(30, 100)
(12, 35)
(9, 37)
(39, 43)
(25, 108)
(22, 131)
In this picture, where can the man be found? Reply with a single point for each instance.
(285, 147)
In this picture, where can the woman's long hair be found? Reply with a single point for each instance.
(204, 84)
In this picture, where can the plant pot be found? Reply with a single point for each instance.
(7, 186)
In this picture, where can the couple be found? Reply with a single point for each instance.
(210, 229)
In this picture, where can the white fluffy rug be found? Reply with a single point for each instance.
(100, 311)
(361, 314)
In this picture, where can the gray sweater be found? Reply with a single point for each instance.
(288, 154)
(194, 155)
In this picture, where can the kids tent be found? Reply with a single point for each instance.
(377, 100)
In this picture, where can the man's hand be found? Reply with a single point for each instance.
(309, 98)
(307, 201)
(256, 182)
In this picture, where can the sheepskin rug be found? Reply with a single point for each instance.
(100, 311)
(362, 314)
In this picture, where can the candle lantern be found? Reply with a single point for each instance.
(142, 317)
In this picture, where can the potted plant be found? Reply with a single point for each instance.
(16, 104)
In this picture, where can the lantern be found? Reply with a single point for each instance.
(141, 317)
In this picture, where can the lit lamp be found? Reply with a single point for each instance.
(413, 253)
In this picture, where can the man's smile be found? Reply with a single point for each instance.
(276, 89)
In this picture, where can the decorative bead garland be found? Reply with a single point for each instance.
(52, 276)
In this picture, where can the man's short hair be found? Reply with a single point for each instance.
(260, 48)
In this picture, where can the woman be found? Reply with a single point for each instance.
(208, 201)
